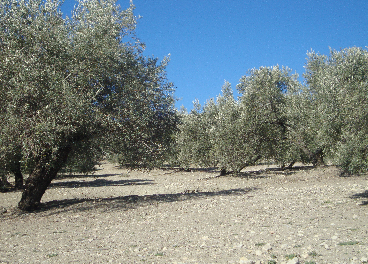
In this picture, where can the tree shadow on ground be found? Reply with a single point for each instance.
(172, 170)
(360, 196)
(99, 183)
(250, 174)
(268, 172)
(63, 176)
(128, 202)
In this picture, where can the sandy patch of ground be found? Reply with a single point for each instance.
(166, 216)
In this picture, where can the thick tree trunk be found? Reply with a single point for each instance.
(40, 178)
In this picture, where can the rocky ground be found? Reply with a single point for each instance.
(165, 216)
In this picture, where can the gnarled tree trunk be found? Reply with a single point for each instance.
(45, 171)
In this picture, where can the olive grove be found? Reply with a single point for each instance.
(276, 118)
(74, 89)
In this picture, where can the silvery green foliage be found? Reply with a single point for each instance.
(264, 103)
(338, 85)
(301, 127)
(228, 136)
(214, 135)
(79, 79)
(193, 142)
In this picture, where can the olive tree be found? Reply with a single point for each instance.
(338, 88)
(79, 81)
(215, 136)
(264, 101)
(229, 136)
(192, 140)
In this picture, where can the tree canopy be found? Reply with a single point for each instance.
(75, 82)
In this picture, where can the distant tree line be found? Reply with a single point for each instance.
(276, 118)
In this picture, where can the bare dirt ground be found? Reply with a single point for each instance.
(164, 216)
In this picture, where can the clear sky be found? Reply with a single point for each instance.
(211, 41)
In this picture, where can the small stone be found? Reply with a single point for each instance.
(293, 261)
(305, 255)
(258, 252)
(244, 260)
(364, 260)
(354, 261)
(240, 245)
(267, 247)
(325, 246)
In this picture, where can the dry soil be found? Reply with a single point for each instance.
(262, 215)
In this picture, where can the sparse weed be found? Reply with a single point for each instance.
(159, 254)
(271, 262)
(52, 255)
(260, 244)
(291, 256)
(313, 254)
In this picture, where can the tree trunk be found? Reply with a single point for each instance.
(40, 178)
(223, 172)
(290, 166)
(4, 184)
(318, 158)
(17, 175)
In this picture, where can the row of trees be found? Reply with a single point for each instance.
(76, 90)
(277, 118)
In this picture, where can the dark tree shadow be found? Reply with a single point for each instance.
(99, 183)
(88, 175)
(360, 196)
(172, 170)
(267, 173)
(126, 202)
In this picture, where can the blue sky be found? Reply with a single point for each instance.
(211, 41)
